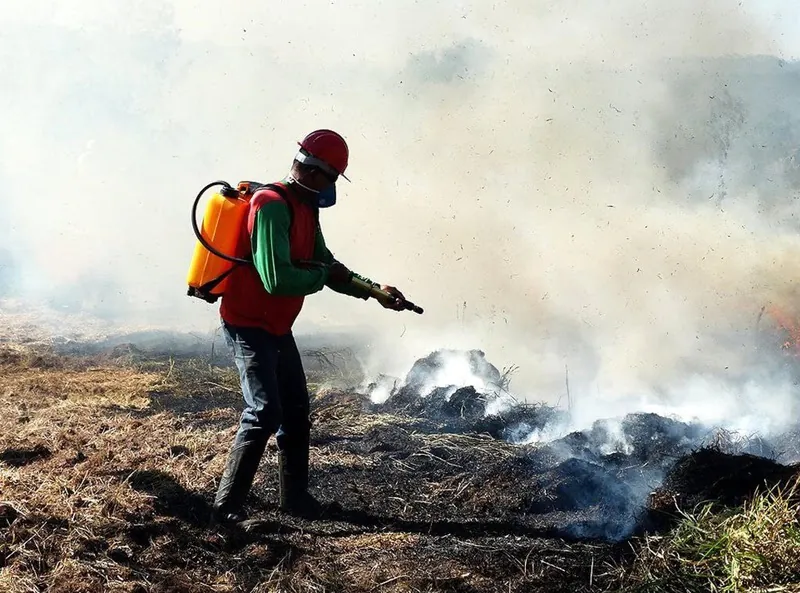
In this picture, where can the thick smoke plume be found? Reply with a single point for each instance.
(604, 192)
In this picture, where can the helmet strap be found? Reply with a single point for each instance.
(293, 179)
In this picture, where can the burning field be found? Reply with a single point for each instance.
(110, 452)
(597, 205)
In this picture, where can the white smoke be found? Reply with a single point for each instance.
(608, 187)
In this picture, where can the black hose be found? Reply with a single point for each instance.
(199, 235)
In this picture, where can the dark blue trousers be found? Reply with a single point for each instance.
(276, 402)
(273, 385)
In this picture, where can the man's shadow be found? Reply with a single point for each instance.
(193, 508)
(171, 498)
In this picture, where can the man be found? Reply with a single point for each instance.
(258, 310)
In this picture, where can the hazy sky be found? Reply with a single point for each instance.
(607, 185)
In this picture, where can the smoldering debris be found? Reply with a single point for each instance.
(712, 477)
(612, 470)
(709, 474)
(463, 392)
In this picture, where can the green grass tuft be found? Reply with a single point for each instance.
(752, 548)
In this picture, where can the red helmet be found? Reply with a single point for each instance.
(325, 149)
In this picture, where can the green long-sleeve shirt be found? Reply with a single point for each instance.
(271, 250)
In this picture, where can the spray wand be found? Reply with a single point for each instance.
(381, 295)
(374, 291)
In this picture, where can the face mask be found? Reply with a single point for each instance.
(327, 197)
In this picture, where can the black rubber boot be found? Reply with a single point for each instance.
(293, 482)
(237, 479)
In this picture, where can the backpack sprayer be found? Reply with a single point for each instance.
(221, 235)
(222, 225)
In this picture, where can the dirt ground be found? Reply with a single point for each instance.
(109, 461)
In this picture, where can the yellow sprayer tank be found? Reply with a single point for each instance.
(222, 225)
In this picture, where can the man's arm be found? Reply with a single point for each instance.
(271, 255)
(323, 254)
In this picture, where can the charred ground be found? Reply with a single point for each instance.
(109, 459)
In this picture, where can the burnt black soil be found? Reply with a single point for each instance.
(708, 475)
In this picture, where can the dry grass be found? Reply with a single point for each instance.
(78, 444)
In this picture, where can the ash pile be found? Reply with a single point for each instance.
(462, 392)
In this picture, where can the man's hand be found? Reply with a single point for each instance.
(339, 273)
(396, 303)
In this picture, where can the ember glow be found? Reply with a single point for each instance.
(789, 324)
